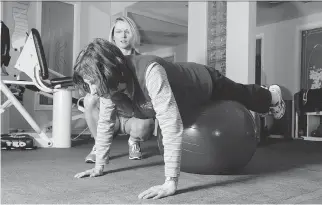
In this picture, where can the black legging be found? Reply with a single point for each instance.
(252, 96)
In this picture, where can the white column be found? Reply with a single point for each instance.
(241, 41)
(197, 32)
(1, 13)
(62, 116)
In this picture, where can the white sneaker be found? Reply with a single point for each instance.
(278, 110)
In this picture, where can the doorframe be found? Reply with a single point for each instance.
(298, 50)
(261, 36)
(76, 39)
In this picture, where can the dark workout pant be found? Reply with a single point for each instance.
(252, 96)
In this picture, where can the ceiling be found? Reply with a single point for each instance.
(161, 23)
(175, 11)
(154, 31)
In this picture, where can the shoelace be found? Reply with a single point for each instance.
(135, 147)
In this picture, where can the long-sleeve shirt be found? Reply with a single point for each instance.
(167, 113)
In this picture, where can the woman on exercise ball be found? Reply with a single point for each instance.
(125, 35)
(162, 90)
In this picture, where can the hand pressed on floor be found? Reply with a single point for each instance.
(95, 172)
(160, 191)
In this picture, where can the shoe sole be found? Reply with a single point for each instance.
(89, 161)
(135, 158)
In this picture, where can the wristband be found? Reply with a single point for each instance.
(175, 179)
(99, 167)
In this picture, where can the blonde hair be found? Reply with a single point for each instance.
(136, 35)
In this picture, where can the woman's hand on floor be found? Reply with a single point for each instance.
(160, 191)
(95, 172)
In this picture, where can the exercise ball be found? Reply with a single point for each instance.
(218, 138)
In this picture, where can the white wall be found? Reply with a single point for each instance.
(240, 42)
(179, 51)
(95, 21)
(197, 32)
(118, 6)
(158, 50)
(282, 51)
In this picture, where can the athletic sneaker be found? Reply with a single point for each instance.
(91, 157)
(135, 151)
(278, 110)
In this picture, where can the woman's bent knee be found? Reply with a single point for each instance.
(142, 128)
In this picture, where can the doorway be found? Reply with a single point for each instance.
(258, 80)
(258, 61)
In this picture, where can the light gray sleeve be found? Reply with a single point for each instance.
(105, 131)
(168, 115)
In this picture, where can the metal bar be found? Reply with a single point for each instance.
(5, 105)
(16, 82)
(24, 113)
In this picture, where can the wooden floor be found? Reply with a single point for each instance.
(289, 172)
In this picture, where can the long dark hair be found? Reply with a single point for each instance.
(103, 64)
